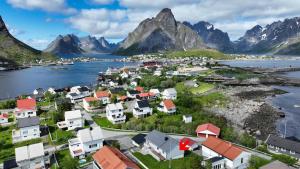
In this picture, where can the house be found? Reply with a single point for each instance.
(32, 156)
(77, 93)
(279, 145)
(142, 109)
(208, 129)
(162, 146)
(112, 158)
(224, 154)
(138, 140)
(122, 98)
(169, 94)
(167, 106)
(88, 103)
(4, 118)
(276, 165)
(139, 89)
(88, 140)
(124, 74)
(111, 71)
(74, 97)
(155, 92)
(52, 90)
(25, 108)
(113, 83)
(27, 129)
(103, 96)
(145, 96)
(190, 143)
(132, 94)
(38, 94)
(115, 113)
(73, 120)
(157, 73)
(187, 118)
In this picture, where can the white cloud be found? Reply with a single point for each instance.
(46, 5)
(103, 2)
(37, 43)
(232, 16)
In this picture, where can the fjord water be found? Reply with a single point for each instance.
(14, 83)
(290, 102)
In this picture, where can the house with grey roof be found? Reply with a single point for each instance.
(162, 146)
(141, 109)
(276, 165)
(169, 93)
(279, 145)
(27, 129)
(88, 140)
(31, 156)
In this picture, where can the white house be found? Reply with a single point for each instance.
(77, 93)
(88, 140)
(87, 103)
(162, 146)
(115, 113)
(124, 74)
(73, 120)
(142, 109)
(157, 73)
(27, 129)
(187, 118)
(169, 94)
(103, 96)
(31, 156)
(25, 108)
(155, 92)
(4, 118)
(167, 106)
(132, 94)
(224, 154)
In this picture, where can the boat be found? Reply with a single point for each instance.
(296, 106)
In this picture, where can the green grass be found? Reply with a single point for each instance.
(188, 162)
(103, 122)
(43, 103)
(198, 53)
(60, 136)
(203, 87)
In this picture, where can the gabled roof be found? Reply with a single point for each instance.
(169, 104)
(139, 88)
(90, 99)
(226, 149)
(90, 134)
(28, 122)
(133, 92)
(283, 143)
(26, 104)
(73, 114)
(29, 152)
(143, 103)
(170, 91)
(162, 141)
(116, 106)
(112, 158)
(139, 138)
(210, 127)
(100, 94)
(4, 116)
(83, 89)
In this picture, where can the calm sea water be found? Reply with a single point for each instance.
(290, 102)
(24, 81)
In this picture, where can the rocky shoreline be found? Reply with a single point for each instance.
(249, 110)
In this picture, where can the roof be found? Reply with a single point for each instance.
(83, 89)
(162, 141)
(116, 106)
(139, 138)
(169, 104)
(155, 91)
(190, 141)
(139, 88)
(170, 90)
(133, 92)
(112, 158)
(215, 159)
(90, 134)
(29, 152)
(27, 104)
(123, 97)
(73, 114)
(283, 143)
(90, 99)
(209, 127)
(226, 149)
(4, 116)
(276, 165)
(100, 94)
(143, 103)
(144, 94)
(8, 164)
(27, 122)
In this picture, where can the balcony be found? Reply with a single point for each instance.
(75, 147)
(16, 135)
(117, 119)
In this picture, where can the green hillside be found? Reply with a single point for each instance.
(214, 54)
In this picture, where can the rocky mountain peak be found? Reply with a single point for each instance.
(166, 18)
(3, 28)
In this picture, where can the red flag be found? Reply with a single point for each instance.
(184, 144)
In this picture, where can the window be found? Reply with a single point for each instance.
(30, 113)
(93, 145)
(292, 152)
(71, 122)
(242, 160)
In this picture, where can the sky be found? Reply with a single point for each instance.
(38, 22)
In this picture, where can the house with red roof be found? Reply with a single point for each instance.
(25, 108)
(223, 154)
(139, 89)
(104, 96)
(207, 129)
(167, 106)
(112, 158)
(4, 118)
(87, 103)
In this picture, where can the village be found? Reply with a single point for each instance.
(154, 115)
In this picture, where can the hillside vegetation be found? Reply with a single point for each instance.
(214, 54)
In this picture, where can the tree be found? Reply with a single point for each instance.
(49, 97)
(96, 103)
(247, 140)
(9, 104)
(69, 163)
(64, 106)
(285, 159)
(255, 162)
(167, 83)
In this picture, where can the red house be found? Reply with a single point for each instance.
(208, 129)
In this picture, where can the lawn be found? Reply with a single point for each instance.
(190, 161)
(103, 122)
(60, 136)
(65, 160)
(203, 87)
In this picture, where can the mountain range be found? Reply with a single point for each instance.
(71, 45)
(15, 52)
